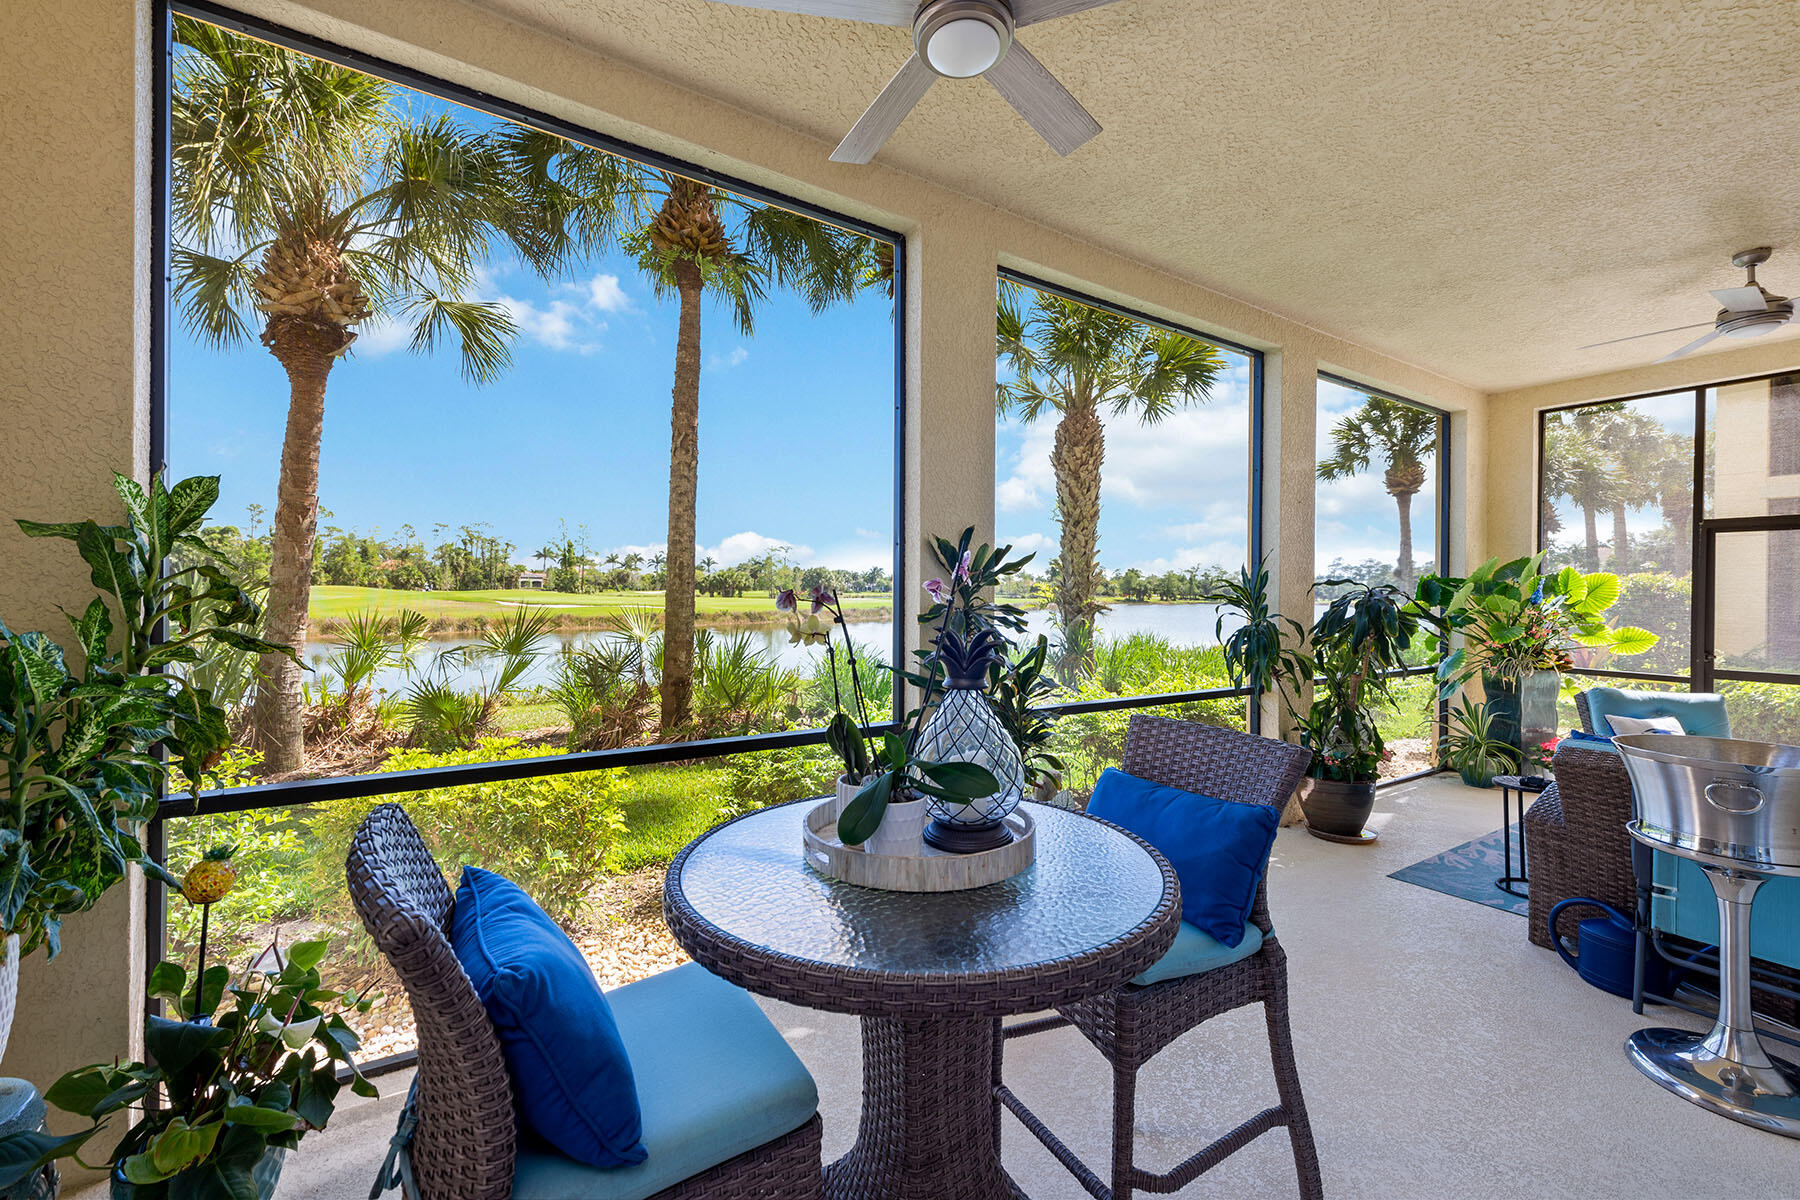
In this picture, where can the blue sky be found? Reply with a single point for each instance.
(796, 427)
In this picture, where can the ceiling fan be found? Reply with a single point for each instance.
(1750, 311)
(958, 39)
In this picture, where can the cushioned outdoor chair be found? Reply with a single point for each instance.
(728, 1111)
(1575, 831)
(1198, 979)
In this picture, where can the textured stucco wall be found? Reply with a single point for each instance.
(74, 85)
(1509, 527)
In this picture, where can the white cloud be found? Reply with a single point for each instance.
(749, 544)
(557, 324)
(731, 358)
(381, 336)
(605, 294)
(1040, 544)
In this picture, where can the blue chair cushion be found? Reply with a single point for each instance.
(1582, 739)
(570, 1071)
(1219, 848)
(1701, 714)
(715, 1079)
(1195, 952)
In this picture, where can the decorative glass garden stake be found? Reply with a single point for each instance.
(963, 728)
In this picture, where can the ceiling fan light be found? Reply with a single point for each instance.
(963, 48)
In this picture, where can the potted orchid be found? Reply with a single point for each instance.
(845, 732)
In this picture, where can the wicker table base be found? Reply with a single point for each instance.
(930, 1122)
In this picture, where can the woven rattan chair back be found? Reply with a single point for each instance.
(465, 1141)
(1222, 763)
(1582, 711)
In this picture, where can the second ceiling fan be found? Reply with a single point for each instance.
(958, 39)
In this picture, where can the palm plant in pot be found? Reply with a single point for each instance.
(1471, 747)
(1344, 661)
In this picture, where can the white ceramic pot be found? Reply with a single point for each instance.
(846, 792)
(9, 989)
(901, 830)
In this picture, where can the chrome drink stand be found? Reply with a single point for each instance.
(1733, 807)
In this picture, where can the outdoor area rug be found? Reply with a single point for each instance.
(1468, 872)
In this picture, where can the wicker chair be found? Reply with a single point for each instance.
(1575, 834)
(463, 1142)
(1132, 1024)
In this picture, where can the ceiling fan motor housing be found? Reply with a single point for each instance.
(964, 48)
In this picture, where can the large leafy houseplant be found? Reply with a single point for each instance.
(1345, 659)
(238, 1086)
(85, 748)
(1515, 620)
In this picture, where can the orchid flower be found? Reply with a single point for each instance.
(937, 591)
(961, 574)
(822, 596)
(784, 600)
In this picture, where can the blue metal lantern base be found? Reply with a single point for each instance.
(960, 838)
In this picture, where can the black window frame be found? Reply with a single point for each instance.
(1253, 717)
(1440, 547)
(275, 795)
(1703, 530)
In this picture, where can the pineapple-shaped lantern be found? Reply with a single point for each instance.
(964, 728)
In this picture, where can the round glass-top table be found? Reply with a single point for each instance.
(931, 974)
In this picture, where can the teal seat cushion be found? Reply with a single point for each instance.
(1196, 951)
(1702, 714)
(714, 1079)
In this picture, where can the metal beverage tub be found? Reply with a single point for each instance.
(1733, 807)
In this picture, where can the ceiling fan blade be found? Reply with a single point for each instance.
(1044, 103)
(1689, 348)
(1030, 12)
(875, 12)
(882, 117)
(1742, 299)
(1656, 333)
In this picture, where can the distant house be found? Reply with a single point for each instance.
(534, 579)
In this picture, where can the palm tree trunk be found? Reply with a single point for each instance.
(1591, 521)
(1403, 501)
(1621, 539)
(684, 475)
(1076, 457)
(307, 353)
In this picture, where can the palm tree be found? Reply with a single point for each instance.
(690, 239)
(1079, 362)
(1397, 434)
(1633, 440)
(1576, 468)
(304, 200)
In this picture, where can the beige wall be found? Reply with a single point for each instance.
(74, 196)
(73, 358)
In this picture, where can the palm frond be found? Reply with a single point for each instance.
(483, 331)
(214, 294)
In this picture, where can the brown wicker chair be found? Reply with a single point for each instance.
(1575, 834)
(1132, 1024)
(463, 1141)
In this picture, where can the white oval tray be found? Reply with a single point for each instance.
(933, 870)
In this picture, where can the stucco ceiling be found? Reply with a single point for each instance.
(1476, 188)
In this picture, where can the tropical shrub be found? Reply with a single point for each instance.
(550, 834)
(598, 690)
(1764, 712)
(768, 777)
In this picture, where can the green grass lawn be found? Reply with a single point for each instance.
(338, 602)
(665, 809)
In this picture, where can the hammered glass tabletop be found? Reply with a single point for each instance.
(1089, 885)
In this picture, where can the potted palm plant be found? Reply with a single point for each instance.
(1344, 660)
(1471, 748)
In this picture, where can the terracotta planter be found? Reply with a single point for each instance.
(1337, 808)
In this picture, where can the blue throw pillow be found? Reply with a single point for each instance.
(568, 1066)
(1582, 737)
(1219, 848)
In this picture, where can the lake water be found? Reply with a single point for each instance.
(1185, 624)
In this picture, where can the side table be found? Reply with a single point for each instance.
(1510, 785)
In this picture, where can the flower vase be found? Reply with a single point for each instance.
(963, 728)
(1538, 693)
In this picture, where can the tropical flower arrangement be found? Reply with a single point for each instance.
(246, 1066)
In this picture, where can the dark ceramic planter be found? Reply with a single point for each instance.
(1337, 808)
(266, 1174)
(1523, 710)
(1474, 778)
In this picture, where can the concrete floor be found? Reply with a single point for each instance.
(1442, 1055)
